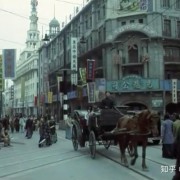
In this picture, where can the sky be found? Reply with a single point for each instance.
(14, 19)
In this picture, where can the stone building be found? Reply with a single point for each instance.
(135, 45)
(26, 80)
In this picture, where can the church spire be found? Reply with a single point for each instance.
(33, 33)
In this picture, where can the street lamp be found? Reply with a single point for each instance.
(46, 38)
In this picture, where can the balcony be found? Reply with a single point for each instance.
(131, 62)
(171, 59)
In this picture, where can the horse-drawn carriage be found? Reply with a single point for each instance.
(98, 130)
(109, 126)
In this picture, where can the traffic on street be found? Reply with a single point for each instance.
(24, 160)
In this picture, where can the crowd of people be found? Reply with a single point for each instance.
(23, 124)
(170, 132)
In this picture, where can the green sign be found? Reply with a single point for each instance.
(132, 83)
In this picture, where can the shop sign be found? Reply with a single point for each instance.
(137, 27)
(174, 90)
(91, 92)
(84, 91)
(74, 78)
(133, 83)
(156, 103)
(100, 88)
(82, 72)
(90, 69)
(72, 95)
(9, 62)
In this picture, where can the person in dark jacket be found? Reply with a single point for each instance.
(107, 102)
(44, 132)
(29, 127)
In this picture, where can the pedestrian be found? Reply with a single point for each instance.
(177, 155)
(89, 113)
(16, 123)
(4, 136)
(167, 137)
(29, 127)
(176, 125)
(11, 121)
(21, 123)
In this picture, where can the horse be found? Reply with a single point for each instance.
(137, 128)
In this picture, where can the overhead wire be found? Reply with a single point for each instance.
(112, 9)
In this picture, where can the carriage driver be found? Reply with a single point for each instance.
(107, 102)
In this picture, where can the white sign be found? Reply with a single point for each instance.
(74, 79)
(174, 90)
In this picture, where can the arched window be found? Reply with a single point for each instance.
(133, 53)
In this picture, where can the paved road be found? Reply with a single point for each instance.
(25, 161)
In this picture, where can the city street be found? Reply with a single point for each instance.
(25, 161)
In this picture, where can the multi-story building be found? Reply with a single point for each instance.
(43, 64)
(135, 45)
(26, 80)
(8, 99)
(1, 86)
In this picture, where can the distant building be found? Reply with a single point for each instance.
(1, 86)
(26, 81)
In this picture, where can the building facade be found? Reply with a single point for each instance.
(135, 45)
(26, 81)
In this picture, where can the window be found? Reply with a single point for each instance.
(104, 11)
(86, 22)
(141, 21)
(167, 27)
(133, 53)
(165, 3)
(123, 23)
(178, 29)
(90, 21)
(177, 4)
(131, 21)
(172, 54)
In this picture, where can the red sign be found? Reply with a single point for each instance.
(35, 100)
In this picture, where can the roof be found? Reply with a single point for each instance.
(54, 22)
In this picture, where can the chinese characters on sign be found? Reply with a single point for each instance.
(90, 69)
(9, 61)
(174, 90)
(134, 5)
(132, 83)
(74, 78)
(82, 72)
(91, 92)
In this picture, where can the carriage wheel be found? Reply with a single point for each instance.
(107, 144)
(92, 144)
(130, 149)
(74, 138)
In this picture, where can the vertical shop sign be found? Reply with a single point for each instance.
(9, 61)
(174, 90)
(82, 72)
(90, 69)
(91, 92)
(74, 79)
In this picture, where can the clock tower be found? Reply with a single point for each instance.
(32, 40)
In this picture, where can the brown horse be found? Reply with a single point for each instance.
(137, 128)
